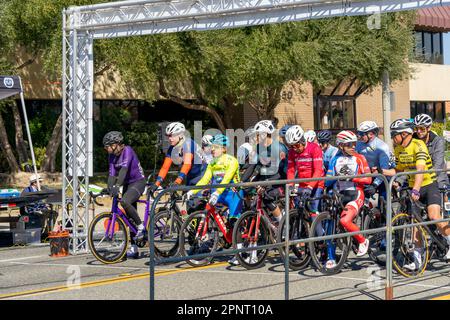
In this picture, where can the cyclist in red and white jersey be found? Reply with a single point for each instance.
(348, 162)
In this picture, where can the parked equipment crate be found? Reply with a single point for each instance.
(27, 236)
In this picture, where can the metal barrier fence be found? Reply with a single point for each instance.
(287, 243)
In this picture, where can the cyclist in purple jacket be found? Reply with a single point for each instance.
(125, 170)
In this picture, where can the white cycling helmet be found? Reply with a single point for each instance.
(423, 120)
(295, 135)
(368, 126)
(175, 128)
(345, 137)
(244, 152)
(265, 126)
(310, 135)
(207, 140)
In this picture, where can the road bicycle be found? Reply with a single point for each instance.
(254, 228)
(205, 231)
(423, 240)
(109, 232)
(299, 226)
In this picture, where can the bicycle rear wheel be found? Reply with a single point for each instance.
(377, 241)
(108, 243)
(166, 233)
(191, 239)
(245, 236)
(404, 243)
(299, 256)
(319, 250)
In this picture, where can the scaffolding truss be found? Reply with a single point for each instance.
(82, 25)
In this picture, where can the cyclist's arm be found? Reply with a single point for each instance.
(419, 177)
(331, 173)
(317, 168)
(187, 165)
(363, 168)
(207, 176)
(438, 158)
(163, 171)
(291, 166)
(121, 176)
(384, 162)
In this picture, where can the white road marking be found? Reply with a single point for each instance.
(24, 258)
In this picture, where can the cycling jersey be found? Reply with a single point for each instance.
(189, 156)
(127, 159)
(269, 163)
(376, 153)
(222, 170)
(328, 155)
(344, 165)
(415, 153)
(272, 159)
(307, 164)
(436, 149)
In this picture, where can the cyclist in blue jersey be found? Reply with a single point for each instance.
(329, 151)
(376, 152)
(182, 152)
(125, 171)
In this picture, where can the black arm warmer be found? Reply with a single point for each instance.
(111, 181)
(121, 177)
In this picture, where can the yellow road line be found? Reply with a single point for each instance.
(108, 281)
(446, 297)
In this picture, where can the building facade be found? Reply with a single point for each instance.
(345, 105)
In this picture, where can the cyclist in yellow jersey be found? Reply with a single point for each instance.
(412, 155)
(223, 169)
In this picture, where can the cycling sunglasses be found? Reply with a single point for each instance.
(360, 133)
(349, 145)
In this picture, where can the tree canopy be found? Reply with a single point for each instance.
(217, 71)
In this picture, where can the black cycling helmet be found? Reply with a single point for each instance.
(324, 136)
(401, 125)
(112, 137)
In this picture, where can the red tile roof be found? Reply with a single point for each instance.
(434, 18)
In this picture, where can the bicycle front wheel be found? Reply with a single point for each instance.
(322, 251)
(193, 241)
(246, 235)
(299, 256)
(108, 242)
(166, 233)
(410, 252)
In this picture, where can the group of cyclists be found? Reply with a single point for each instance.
(271, 154)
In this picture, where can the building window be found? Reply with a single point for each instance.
(429, 48)
(335, 113)
(435, 110)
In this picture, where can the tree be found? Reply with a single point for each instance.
(220, 71)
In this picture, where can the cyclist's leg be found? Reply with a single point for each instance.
(268, 200)
(431, 197)
(349, 214)
(130, 197)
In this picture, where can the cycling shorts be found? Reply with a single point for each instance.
(430, 195)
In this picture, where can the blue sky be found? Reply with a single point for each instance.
(447, 48)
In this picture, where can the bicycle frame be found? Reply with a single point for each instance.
(203, 225)
(116, 211)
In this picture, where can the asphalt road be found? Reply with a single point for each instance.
(29, 273)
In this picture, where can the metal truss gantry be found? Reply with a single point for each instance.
(81, 25)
